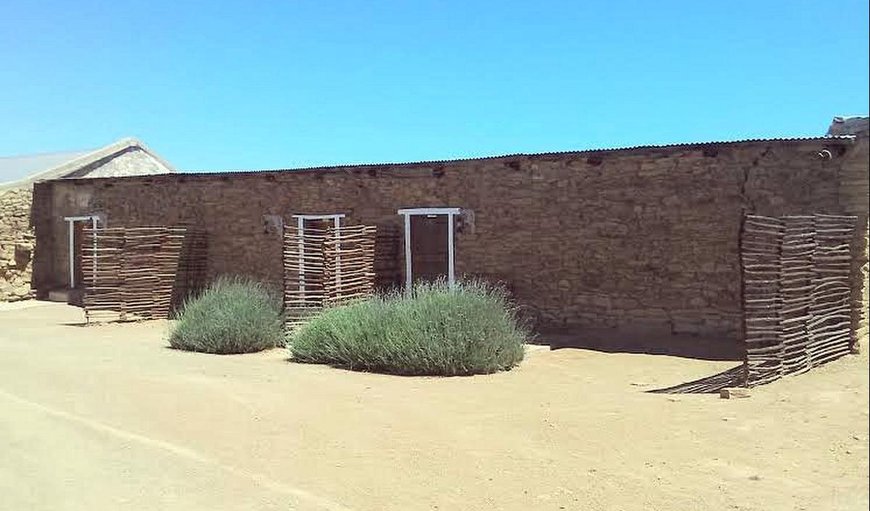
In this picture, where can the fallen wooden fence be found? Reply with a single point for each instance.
(796, 293)
(133, 273)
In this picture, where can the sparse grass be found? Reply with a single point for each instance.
(470, 329)
(233, 315)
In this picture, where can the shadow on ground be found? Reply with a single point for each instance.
(686, 346)
(613, 341)
(707, 385)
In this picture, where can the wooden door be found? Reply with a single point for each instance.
(429, 257)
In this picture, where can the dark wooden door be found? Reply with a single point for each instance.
(429, 247)
(320, 225)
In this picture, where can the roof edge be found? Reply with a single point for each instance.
(686, 145)
(66, 168)
(195, 174)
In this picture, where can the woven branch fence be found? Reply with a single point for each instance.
(133, 273)
(388, 259)
(326, 267)
(796, 293)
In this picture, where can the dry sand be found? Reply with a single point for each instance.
(107, 418)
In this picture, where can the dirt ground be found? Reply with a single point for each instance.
(108, 418)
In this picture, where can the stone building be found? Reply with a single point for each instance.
(640, 239)
(126, 157)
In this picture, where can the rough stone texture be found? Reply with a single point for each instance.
(854, 196)
(642, 239)
(16, 244)
(132, 162)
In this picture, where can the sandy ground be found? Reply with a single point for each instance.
(108, 418)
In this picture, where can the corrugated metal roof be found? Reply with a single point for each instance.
(14, 168)
(195, 174)
(692, 145)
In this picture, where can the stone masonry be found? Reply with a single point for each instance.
(642, 239)
(133, 161)
(854, 196)
(16, 244)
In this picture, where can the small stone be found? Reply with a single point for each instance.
(734, 393)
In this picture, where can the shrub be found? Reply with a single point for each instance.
(233, 315)
(470, 329)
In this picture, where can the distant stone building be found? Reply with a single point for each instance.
(640, 239)
(126, 157)
(855, 125)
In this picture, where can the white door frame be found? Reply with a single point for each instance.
(94, 220)
(408, 213)
(300, 228)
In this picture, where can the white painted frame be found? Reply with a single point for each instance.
(300, 227)
(450, 212)
(95, 220)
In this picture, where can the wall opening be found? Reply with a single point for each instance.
(317, 225)
(76, 227)
(429, 244)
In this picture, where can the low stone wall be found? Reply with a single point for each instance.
(16, 244)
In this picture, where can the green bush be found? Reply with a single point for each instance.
(435, 330)
(233, 315)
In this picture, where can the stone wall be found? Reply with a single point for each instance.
(854, 195)
(16, 244)
(641, 239)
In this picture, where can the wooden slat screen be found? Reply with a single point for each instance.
(796, 293)
(326, 267)
(132, 273)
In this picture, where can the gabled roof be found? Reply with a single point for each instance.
(18, 171)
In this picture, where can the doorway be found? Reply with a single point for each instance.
(429, 244)
(76, 227)
(310, 278)
(428, 247)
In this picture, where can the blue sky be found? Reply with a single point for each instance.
(244, 85)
